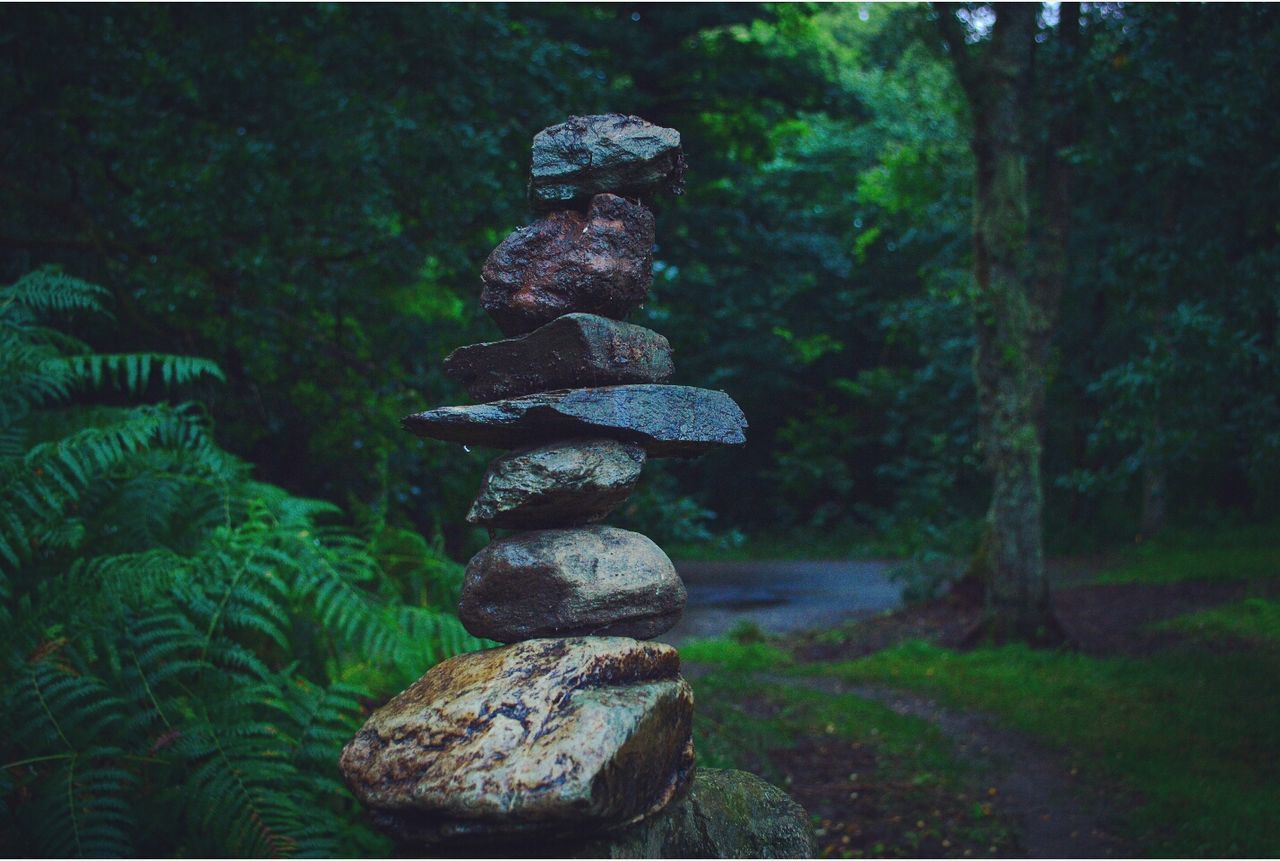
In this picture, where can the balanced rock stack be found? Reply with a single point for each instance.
(578, 730)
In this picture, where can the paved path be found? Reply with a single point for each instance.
(781, 597)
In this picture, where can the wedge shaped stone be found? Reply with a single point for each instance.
(597, 580)
(563, 484)
(667, 421)
(570, 351)
(598, 262)
(606, 152)
(547, 737)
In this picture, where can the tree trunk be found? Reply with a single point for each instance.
(1013, 311)
(1153, 488)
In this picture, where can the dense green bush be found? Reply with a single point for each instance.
(186, 649)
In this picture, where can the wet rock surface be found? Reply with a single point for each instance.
(571, 351)
(727, 814)
(548, 737)
(597, 262)
(668, 421)
(577, 740)
(596, 580)
(606, 152)
(563, 484)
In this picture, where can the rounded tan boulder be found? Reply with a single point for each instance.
(547, 737)
(594, 580)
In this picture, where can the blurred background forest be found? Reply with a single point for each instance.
(240, 241)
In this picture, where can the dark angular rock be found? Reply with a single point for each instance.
(547, 738)
(607, 152)
(573, 350)
(563, 484)
(727, 814)
(597, 262)
(668, 421)
(596, 580)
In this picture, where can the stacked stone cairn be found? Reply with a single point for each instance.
(578, 730)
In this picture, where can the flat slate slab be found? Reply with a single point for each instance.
(547, 737)
(667, 421)
(565, 483)
(570, 351)
(600, 262)
(594, 580)
(584, 156)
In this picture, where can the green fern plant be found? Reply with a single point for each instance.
(186, 649)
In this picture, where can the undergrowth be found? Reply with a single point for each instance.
(186, 649)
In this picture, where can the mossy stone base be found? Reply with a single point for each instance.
(726, 814)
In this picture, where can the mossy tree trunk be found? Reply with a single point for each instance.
(1018, 279)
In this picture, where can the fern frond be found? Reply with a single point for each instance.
(173, 628)
(49, 289)
(130, 372)
(240, 792)
(83, 806)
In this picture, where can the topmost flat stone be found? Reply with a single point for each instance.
(585, 156)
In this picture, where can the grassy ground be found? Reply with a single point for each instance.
(876, 783)
(833, 543)
(1196, 735)
(1241, 553)
(1189, 730)
(1253, 622)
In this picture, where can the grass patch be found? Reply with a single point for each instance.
(731, 654)
(1238, 553)
(1197, 735)
(839, 542)
(1255, 621)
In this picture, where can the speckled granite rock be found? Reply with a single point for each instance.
(668, 421)
(606, 152)
(597, 262)
(570, 351)
(597, 580)
(547, 737)
(563, 484)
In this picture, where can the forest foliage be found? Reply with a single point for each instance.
(186, 648)
(207, 563)
(306, 195)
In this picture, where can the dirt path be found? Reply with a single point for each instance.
(1056, 814)
(1055, 806)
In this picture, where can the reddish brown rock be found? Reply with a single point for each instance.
(597, 262)
(570, 351)
(563, 484)
(597, 580)
(606, 152)
(546, 738)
